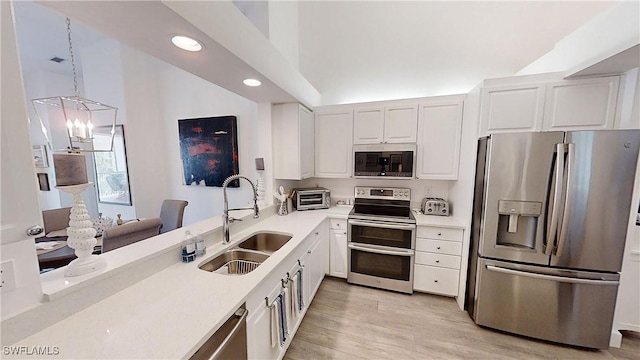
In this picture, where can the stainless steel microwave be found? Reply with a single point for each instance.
(393, 161)
(311, 198)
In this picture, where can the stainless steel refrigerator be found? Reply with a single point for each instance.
(550, 218)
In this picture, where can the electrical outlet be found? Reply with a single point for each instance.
(428, 190)
(7, 276)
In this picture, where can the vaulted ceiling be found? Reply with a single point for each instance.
(349, 51)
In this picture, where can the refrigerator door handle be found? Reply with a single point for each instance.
(561, 279)
(553, 226)
(567, 201)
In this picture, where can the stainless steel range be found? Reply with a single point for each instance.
(382, 237)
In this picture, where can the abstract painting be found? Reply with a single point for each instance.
(209, 150)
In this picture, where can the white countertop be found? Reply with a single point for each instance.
(339, 211)
(441, 221)
(169, 314)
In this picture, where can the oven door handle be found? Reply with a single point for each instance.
(380, 251)
(382, 225)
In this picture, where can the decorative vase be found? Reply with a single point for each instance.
(81, 235)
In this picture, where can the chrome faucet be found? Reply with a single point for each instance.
(226, 220)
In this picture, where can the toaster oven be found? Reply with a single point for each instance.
(311, 198)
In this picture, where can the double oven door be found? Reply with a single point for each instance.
(381, 254)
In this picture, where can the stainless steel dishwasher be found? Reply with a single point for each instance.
(229, 342)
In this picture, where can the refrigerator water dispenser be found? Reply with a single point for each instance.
(518, 222)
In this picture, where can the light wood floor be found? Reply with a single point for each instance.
(355, 322)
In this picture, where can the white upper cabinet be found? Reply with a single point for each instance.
(293, 145)
(546, 104)
(512, 108)
(388, 124)
(333, 140)
(368, 126)
(584, 104)
(439, 134)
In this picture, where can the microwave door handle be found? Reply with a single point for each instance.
(553, 226)
(381, 251)
(381, 225)
(562, 239)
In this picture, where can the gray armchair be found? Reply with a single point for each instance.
(171, 213)
(56, 220)
(129, 233)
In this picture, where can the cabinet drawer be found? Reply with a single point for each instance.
(440, 247)
(433, 259)
(338, 224)
(436, 280)
(439, 233)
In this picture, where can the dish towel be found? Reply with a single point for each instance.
(275, 324)
(300, 288)
(284, 332)
(294, 295)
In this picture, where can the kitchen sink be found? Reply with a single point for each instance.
(234, 262)
(266, 242)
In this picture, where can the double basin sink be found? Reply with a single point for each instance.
(247, 255)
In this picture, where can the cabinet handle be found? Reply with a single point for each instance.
(435, 280)
(345, 233)
(308, 251)
(439, 234)
(317, 233)
(438, 248)
(437, 261)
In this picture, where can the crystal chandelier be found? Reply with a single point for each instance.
(80, 115)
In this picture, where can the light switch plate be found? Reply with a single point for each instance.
(428, 191)
(7, 276)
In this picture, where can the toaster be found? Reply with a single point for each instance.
(435, 206)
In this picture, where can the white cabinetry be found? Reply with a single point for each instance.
(314, 270)
(385, 124)
(333, 140)
(311, 255)
(585, 104)
(439, 134)
(293, 146)
(338, 248)
(541, 104)
(512, 108)
(437, 262)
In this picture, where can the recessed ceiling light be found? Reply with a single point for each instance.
(251, 82)
(186, 43)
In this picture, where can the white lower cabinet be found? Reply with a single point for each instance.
(259, 331)
(312, 257)
(314, 270)
(437, 261)
(338, 248)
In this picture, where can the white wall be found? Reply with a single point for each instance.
(20, 208)
(283, 29)
(157, 95)
(615, 26)
(103, 82)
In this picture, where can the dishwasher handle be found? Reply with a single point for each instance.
(242, 314)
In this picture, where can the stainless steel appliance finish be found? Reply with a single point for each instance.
(228, 342)
(389, 161)
(572, 307)
(435, 206)
(381, 234)
(548, 232)
(311, 198)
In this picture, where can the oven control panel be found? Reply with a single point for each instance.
(387, 193)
